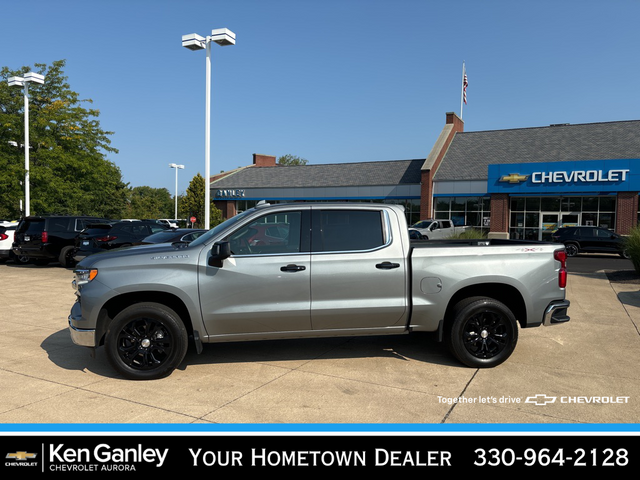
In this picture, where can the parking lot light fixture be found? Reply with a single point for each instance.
(177, 167)
(24, 82)
(223, 37)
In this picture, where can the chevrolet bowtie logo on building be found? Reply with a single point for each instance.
(514, 178)
(21, 456)
(540, 399)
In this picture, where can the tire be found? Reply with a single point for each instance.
(146, 341)
(20, 259)
(571, 249)
(625, 254)
(482, 332)
(65, 256)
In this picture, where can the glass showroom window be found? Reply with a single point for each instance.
(534, 218)
(470, 211)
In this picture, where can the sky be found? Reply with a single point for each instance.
(331, 81)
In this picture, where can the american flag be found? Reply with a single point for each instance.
(464, 87)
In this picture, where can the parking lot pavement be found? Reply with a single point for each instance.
(581, 372)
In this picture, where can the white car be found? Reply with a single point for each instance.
(168, 223)
(7, 229)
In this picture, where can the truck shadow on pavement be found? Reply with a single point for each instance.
(416, 347)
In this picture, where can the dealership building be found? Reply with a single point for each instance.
(514, 183)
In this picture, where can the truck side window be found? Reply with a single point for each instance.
(347, 230)
(277, 233)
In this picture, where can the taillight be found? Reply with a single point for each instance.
(45, 237)
(107, 238)
(561, 256)
(3, 236)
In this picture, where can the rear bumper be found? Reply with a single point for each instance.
(556, 313)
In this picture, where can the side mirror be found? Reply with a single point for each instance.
(219, 252)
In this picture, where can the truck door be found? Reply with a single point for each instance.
(264, 286)
(358, 270)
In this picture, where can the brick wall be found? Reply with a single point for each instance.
(426, 179)
(499, 214)
(627, 212)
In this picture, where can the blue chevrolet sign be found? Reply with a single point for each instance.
(587, 176)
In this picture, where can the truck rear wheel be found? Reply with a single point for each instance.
(482, 332)
(146, 341)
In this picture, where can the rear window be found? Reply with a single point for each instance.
(347, 230)
(31, 226)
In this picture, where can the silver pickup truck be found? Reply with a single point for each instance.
(313, 270)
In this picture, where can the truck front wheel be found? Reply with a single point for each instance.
(146, 341)
(482, 332)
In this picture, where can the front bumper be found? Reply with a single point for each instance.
(85, 337)
(556, 313)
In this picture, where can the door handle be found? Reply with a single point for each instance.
(293, 268)
(387, 265)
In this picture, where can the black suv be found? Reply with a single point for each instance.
(43, 239)
(106, 236)
(590, 240)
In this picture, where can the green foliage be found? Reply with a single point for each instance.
(632, 244)
(148, 202)
(192, 204)
(470, 234)
(291, 160)
(69, 170)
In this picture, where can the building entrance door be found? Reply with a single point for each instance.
(548, 225)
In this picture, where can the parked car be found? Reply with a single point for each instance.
(169, 223)
(7, 232)
(107, 236)
(184, 235)
(590, 240)
(43, 239)
(436, 229)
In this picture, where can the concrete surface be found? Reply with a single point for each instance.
(408, 379)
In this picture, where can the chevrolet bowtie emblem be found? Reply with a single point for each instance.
(21, 455)
(514, 178)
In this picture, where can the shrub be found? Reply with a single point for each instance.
(633, 247)
(470, 234)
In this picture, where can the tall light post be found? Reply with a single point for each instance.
(193, 41)
(177, 167)
(24, 82)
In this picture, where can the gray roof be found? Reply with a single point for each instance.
(470, 152)
(393, 172)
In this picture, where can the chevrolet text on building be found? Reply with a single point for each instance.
(590, 176)
(580, 176)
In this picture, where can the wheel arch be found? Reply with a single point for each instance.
(509, 295)
(116, 304)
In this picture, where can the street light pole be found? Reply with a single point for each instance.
(173, 165)
(24, 82)
(193, 41)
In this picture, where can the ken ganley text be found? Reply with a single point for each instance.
(320, 458)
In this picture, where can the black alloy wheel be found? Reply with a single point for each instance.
(146, 341)
(482, 332)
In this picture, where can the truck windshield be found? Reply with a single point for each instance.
(220, 228)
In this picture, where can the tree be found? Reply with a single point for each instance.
(192, 204)
(289, 159)
(69, 170)
(148, 202)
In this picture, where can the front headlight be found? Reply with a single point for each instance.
(82, 276)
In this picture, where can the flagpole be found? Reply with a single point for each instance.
(462, 91)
